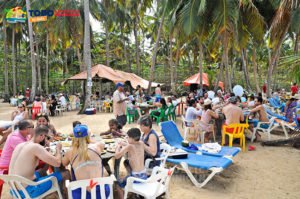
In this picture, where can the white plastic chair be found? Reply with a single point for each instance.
(202, 133)
(59, 109)
(156, 185)
(165, 150)
(187, 128)
(18, 183)
(272, 125)
(83, 184)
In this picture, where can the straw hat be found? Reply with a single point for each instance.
(207, 102)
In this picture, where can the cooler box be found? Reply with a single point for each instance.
(90, 111)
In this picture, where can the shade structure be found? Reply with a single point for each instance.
(195, 79)
(105, 72)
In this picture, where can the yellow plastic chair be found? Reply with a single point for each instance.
(234, 131)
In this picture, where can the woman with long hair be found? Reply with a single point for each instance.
(85, 159)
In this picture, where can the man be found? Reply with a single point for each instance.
(26, 157)
(233, 113)
(294, 89)
(63, 101)
(260, 109)
(119, 104)
(27, 93)
(15, 138)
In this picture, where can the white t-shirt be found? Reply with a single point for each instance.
(192, 113)
(63, 101)
(119, 108)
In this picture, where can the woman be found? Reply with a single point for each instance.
(85, 160)
(16, 117)
(43, 119)
(151, 140)
(53, 104)
(290, 108)
(207, 115)
(162, 106)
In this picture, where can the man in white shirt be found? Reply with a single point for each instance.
(192, 112)
(62, 99)
(119, 104)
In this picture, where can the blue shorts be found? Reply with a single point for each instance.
(76, 194)
(142, 176)
(35, 191)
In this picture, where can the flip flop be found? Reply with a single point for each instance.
(251, 148)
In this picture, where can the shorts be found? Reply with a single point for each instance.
(35, 191)
(255, 123)
(76, 194)
(141, 175)
(122, 119)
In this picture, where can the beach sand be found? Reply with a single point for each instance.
(267, 172)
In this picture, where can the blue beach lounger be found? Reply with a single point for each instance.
(204, 162)
(174, 138)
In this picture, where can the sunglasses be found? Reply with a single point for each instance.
(47, 137)
(30, 127)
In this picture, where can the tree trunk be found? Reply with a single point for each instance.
(176, 62)
(195, 56)
(218, 78)
(200, 64)
(66, 61)
(296, 46)
(47, 65)
(273, 60)
(38, 66)
(245, 69)
(228, 85)
(33, 71)
(171, 64)
(107, 43)
(255, 70)
(137, 48)
(125, 48)
(14, 60)
(6, 89)
(81, 65)
(87, 54)
(152, 70)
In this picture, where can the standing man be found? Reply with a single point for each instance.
(119, 104)
(157, 93)
(27, 93)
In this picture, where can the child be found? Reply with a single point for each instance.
(114, 129)
(135, 162)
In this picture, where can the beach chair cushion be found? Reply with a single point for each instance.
(204, 162)
(174, 138)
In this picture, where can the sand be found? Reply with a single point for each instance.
(267, 172)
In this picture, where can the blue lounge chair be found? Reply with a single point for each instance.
(204, 162)
(174, 138)
(272, 114)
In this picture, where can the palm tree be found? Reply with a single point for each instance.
(87, 52)
(13, 59)
(33, 69)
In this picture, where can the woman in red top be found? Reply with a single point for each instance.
(294, 89)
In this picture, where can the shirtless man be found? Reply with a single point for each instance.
(233, 113)
(260, 109)
(135, 163)
(25, 159)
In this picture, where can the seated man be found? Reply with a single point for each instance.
(135, 162)
(260, 110)
(14, 139)
(233, 113)
(26, 157)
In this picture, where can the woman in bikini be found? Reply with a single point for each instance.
(85, 160)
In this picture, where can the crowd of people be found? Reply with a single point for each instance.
(26, 145)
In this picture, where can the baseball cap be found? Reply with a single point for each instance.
(119, 84)
(80, 131)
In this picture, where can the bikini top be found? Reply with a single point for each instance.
(86, 163)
